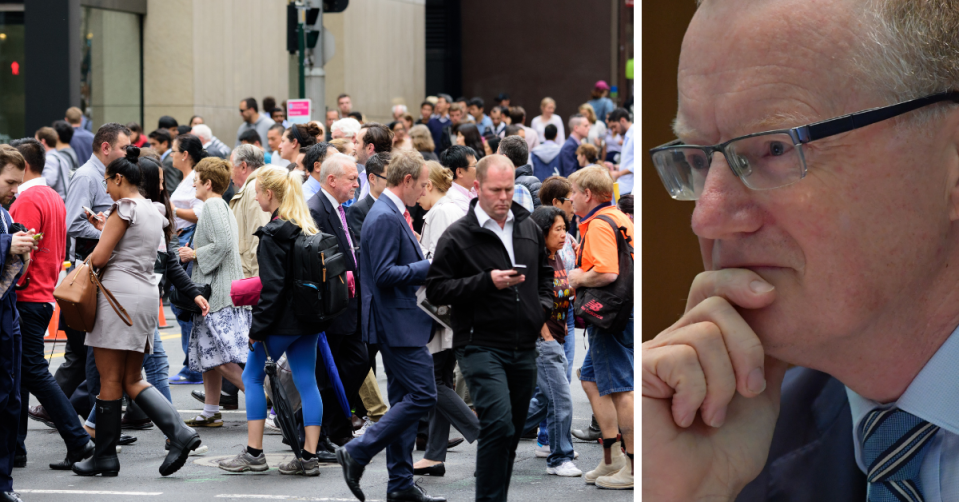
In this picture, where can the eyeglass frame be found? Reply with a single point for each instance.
(103, 180)
(808, 133)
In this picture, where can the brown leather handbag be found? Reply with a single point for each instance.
(77, 298)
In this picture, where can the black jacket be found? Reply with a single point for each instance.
(327, 219)
(524, 176)
(510, 318)
(274, 314)
(356, 215)
(174, 271)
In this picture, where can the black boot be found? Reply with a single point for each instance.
(183, 439)
(104, 460)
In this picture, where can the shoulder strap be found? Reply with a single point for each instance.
(621, 235)
(121, 312)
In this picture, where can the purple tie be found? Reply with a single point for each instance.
(346, 230)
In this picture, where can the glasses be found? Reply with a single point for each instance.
(766, 160)
(104, 181)
(378, 176)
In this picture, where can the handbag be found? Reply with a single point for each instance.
(610, 307)
(246, 292)
(77, 299)
(187, 304)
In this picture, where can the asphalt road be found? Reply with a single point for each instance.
(200, 479)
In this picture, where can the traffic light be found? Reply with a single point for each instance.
(292, 45)
(333, 6)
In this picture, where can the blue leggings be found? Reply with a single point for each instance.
(301, 353)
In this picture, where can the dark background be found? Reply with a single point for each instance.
(671, 256)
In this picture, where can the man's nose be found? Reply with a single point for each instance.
(725, 206)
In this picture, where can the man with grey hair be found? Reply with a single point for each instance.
(398, 112)
(339, 179)
(829, 232)
(246, 159)
(347, 127)
(211, 143)
(579, 129)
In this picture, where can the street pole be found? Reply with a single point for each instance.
(315, 75)
(301, 43)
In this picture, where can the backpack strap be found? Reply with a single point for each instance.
(622, 237)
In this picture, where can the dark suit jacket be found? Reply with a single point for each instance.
(356, 215)
(812, 456)
(393, 269)
(171, 175)
(328, 221)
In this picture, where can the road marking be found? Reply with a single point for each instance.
(89, 492)
(288, 497)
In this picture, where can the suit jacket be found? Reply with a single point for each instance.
(394, 268)
(812, 456)
(171, 175)
(327, 219)
(567, 157)
(356, 215)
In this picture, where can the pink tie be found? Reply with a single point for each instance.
(409, 219)
(346, 230)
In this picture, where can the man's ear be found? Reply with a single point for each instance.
(952, 176)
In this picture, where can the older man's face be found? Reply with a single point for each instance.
(858, 245)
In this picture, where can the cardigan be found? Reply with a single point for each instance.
(217, 252)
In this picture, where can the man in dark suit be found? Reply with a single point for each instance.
(394, 267)
(810, 261)
(161, 141)
(338, 180)
(376, 167)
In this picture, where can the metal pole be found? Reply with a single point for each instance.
(301, 51)
(315, 74)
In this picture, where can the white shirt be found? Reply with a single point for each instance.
(35, 182)
(932, 396)
(396, 200)
(626, 163)
(276, 160)
(184, 197)
(505, 234)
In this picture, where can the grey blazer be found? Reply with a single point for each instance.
(216, 242)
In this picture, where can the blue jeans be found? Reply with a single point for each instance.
(570, 349)
(554, 400)
(186, 327)
(609, 362)
(301, 353)
(157, 366)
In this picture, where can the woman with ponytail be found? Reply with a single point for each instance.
(125, 256)
(187, 152)
(280, 193)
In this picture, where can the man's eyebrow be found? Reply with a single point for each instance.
(779, 120)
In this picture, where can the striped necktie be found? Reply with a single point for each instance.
(893, 445)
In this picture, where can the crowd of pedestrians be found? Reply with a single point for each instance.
(513, 229)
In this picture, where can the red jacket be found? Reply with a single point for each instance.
(40, 208)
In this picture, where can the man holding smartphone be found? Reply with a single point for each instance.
(491, 267)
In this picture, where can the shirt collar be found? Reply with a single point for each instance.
(205, 145)
(932, 395)
(396, 200)
(35, 182)
(482, 217)
(165, 154)
(102, 169)
(460, 192)
(329, 197)
(595, 210)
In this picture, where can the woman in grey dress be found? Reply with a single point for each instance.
(125, 256)
(219, 342)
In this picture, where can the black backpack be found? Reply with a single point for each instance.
(609, 307)
(320, 292)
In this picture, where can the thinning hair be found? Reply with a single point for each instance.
(335, 165)
(250, 154)
(574, 120)
(495, 161)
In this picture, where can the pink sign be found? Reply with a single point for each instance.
(298, 111)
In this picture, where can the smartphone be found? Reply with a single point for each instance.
(37, 237)
(519, 269)
(90, 212)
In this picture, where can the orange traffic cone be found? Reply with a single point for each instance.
(53, 331)
(163, 323)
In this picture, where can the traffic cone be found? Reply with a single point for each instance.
(163, 323)
(53, 332)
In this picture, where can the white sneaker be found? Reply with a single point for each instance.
(542, 451)
(271, 424)
(200, 451)
(119, 448)
(362, 430)
(566, 469)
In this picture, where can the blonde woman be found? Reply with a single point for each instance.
(422, 142)
(597, 128)
(280, 193)
(548, 109)
(450, 408)
(344, 146)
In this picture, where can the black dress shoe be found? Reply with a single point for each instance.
(10, 497)
(412, 494)
(326, 445)
(352, 472)
(125, 440)
(136, 424)
(19, 460)
(227, 401)
(67, 463)
(433, 470)
(40, 415)
(326, 457)
(453, 443)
